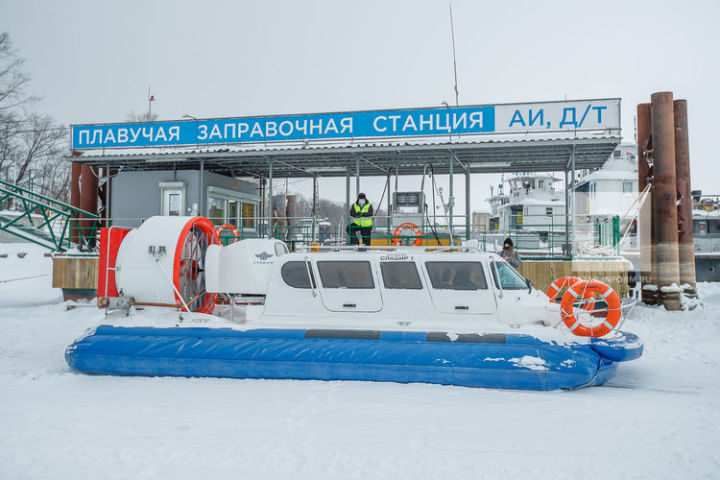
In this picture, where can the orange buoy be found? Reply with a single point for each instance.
(589, 290)
(559, 284)
(229, 227)
(408, 226)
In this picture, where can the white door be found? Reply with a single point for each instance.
(460, 287)
(173, 202)
(348, 286)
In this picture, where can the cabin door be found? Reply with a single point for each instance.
(460, 287)
(348, 286)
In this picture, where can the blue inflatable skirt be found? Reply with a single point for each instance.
(470, 360)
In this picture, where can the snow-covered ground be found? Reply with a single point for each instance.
(658, 418)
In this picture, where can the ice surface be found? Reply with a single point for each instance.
(658, 418)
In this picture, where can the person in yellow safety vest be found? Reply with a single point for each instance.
(361, 213)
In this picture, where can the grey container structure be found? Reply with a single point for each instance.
(137, 195)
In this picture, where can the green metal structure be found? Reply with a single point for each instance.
(47, 222)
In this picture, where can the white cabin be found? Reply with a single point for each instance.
(612, 189)
(407, 288)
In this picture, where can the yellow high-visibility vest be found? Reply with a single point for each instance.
(362, 221)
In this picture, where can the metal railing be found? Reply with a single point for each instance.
(307, 230)
(46, 221)
(557, 235)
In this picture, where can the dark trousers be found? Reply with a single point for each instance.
(356, 232)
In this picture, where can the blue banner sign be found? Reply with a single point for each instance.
(465, 120)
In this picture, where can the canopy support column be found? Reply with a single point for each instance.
(347, 203)
(269, 194)
(468, 213)
(566, 250)
(315, 195)
(387, 220)
(201, 189)
(451, 199)
(572, 196)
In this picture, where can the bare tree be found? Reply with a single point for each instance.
(142, 117)
(31, 145)
(13, 77)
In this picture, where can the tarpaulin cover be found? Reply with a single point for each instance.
(472, 360)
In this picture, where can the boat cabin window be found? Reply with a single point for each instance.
(298, 274)
(507, 277)
(456, 275)
(280, 249)
(346, 274)
(400, 275)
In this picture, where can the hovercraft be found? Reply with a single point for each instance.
(447, 316)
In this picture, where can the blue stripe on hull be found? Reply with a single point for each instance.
(507, 361)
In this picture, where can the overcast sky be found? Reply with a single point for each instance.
(92, 61)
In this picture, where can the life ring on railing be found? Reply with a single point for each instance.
(589, 289)
(229, 227)
(408, 226)
(559, 284)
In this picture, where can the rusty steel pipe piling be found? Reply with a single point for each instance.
(648, 275)
(686, 250)
(665, 200)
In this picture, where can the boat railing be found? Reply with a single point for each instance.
(561, 235)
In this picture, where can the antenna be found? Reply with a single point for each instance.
(635, 125)
(452, 33)
(151, 98)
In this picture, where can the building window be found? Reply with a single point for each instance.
(216, 210)
(617, 154)
(248, 215)
(222, 209)
(348, 274)
(232, 209)
(402, 275)
(627, 187)
(456, 275)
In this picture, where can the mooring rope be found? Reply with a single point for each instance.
(24, 278)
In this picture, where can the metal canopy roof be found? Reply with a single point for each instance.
(375, 159)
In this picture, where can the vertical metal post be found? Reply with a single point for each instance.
(387, 220)
(315, 195)
(347, 202)
(468, 212)
(261, 192)
(567, 209)
(572, 197)
(107, 195)
(269, 194)
(201, 189)
(357, 176)
(451, 199)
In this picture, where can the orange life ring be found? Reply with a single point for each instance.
(588, 290)
(408, 226)
(559, 284)
(232, 228)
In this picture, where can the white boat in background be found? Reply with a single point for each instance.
(527, 208)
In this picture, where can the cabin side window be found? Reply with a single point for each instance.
(508, 277)
(456, 275)
(280, 249)
(345, 274)
(402, 275)
(298, 274)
